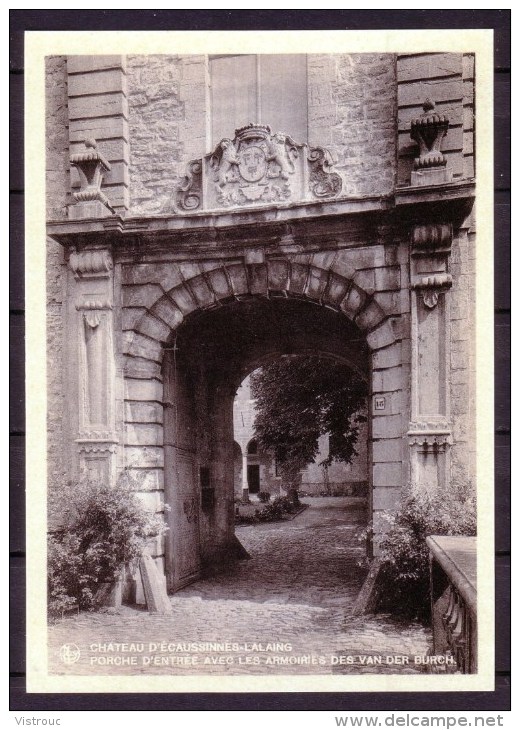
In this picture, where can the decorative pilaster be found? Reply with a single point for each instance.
(96, 440)
(429, 432)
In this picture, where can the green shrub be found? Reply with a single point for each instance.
(101, 529)
(404, 581)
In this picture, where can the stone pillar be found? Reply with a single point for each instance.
(245, 485)
(430, 431)
(91, 355)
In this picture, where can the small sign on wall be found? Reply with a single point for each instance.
(379, 403)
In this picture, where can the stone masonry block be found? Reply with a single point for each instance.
(84, 64)
(144, 295)
(387, 278)
(415, 68)
(112, 149)
(387, 357)
(143, 390)
(220, 283)
(183, 299)
(387, 498)
(388, 380)
(391, 302)
(151, 501)
(145, 480)
(141, 346)
(337, 289)
(144, 456)
(298, 281)
(370, 316)
(130, 316)
(277, 274)
(106, 105)
(316, 283)
(238, 277)
(99, 129)
(139, 367)
(387, 450)
(103, 81)
(382, 336)
(437, 90)
(201, 291)
(143, 412)
(384, 427)
(168, 312)
(257, 274)
(153, 327)
(393, 402)
(387, 475)
(143, 434)
(353, 301)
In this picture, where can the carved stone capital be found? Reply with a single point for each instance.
(430, 434)
(428, 130)
(91, 264)
(432, 238)
(97, 444)
(431, 286)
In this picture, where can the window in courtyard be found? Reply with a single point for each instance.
(266, 89)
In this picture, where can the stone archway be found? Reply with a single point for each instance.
(343, 319)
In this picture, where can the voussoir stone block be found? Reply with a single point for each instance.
(153, 327)
(316, 283)
(238, 278)
(336, 290)
(219, 282)
(183, 299)
(168, 312)
(298, 281)
(201, 291)
(353, 301)
(142, 346)
(383, 336)
(277, 274)
(257, 274)
(370, 316)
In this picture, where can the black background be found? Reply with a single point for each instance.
(64, 20)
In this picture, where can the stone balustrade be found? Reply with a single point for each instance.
(453, 563)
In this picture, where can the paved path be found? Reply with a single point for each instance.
(285, 611)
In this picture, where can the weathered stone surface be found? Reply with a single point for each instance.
(394, 402)
(386, 475)
(142, 412)
(142, 346)
(143, 434)
(353, 301)
(168, 312)
(141, 296)
(144, 456)
(108, 105)
(388, 450)
(101, 129)
(386, 498)
(386, 334)
(155, 328)
(431, 65)
(384, 427)
(387, 357)
(140, 367)
(84, 64)
(387, 380)
(370, 316)
(435, 89)
(143, 390)
(146, 479)
(157, 600)
(103, 81)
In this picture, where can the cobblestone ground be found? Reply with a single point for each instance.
(285, 611)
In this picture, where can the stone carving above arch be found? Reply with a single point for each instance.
(258, 167)
(277, 277)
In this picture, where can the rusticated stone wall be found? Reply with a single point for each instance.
(167, 121)
(58, 195)
(353, 112)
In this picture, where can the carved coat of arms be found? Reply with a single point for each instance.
(258, 167)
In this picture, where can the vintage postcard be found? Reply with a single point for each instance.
(260, 433)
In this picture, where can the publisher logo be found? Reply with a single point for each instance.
(69, 653)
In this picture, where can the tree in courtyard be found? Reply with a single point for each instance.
(298, 399)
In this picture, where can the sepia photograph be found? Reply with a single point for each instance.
(267, 461)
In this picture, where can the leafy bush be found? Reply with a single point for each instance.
(404, 578)
(278, 509)
(264, 496)
(102, 528)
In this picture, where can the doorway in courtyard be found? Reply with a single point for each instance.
(206, 361)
